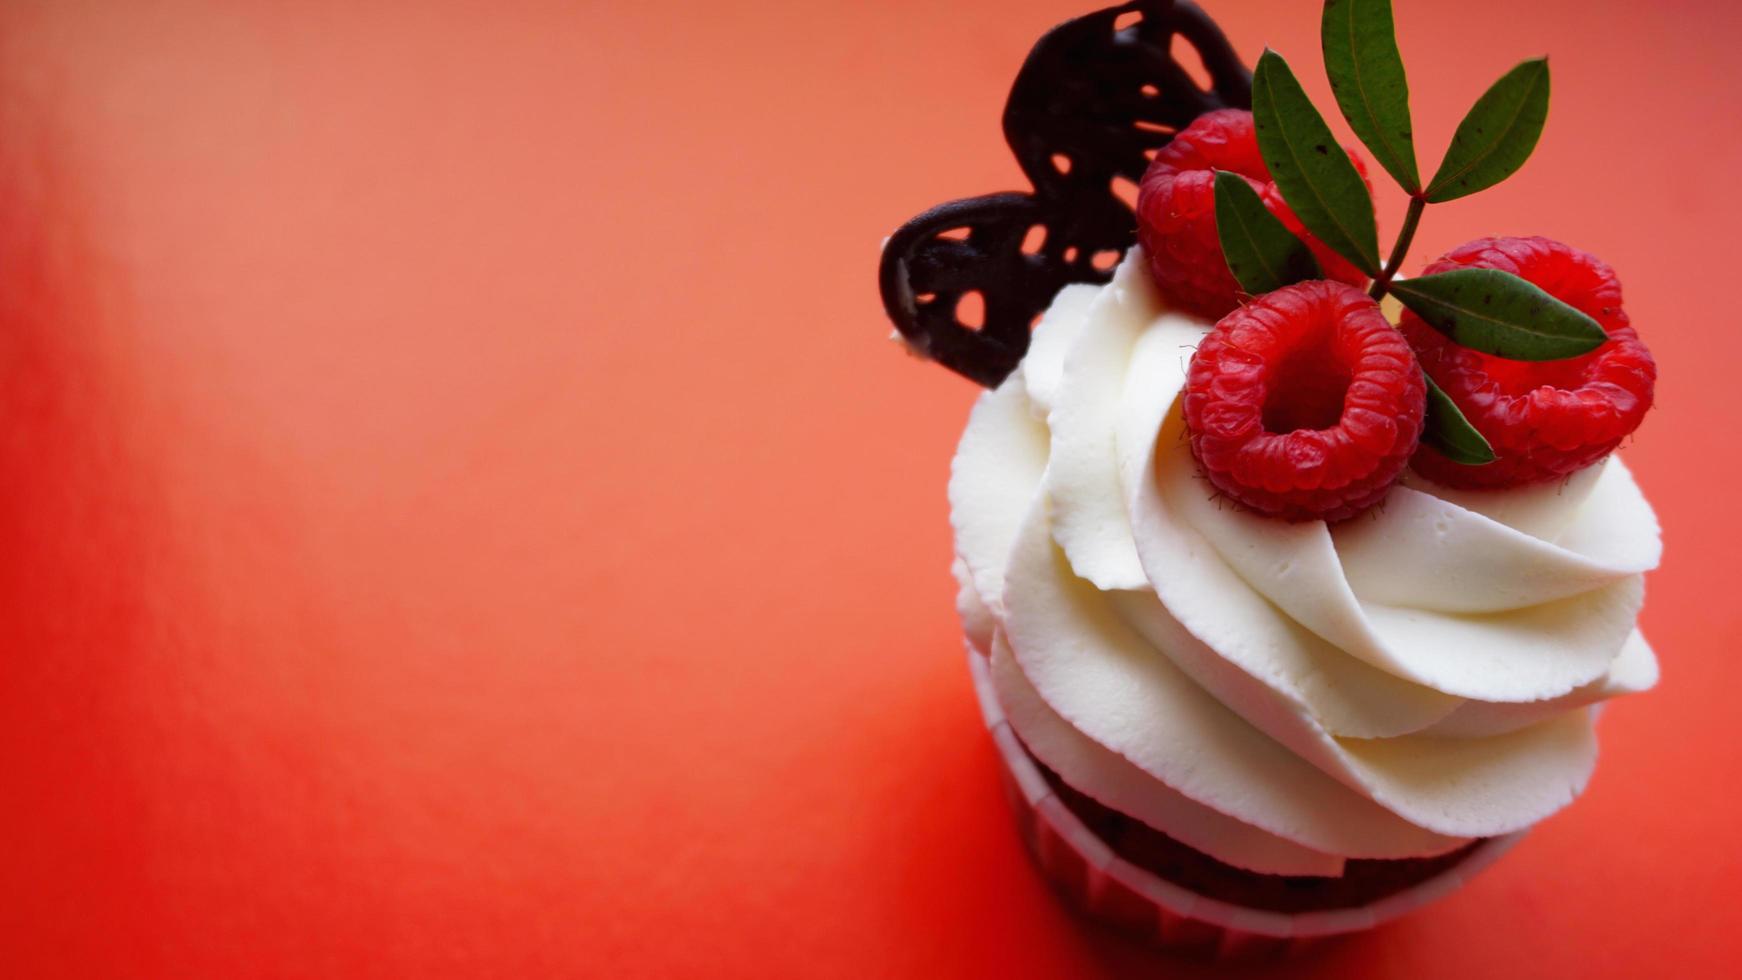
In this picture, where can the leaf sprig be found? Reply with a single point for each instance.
(1487, 310)
(1314, 174)
(1260, 251)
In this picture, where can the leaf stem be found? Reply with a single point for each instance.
(1411, 218)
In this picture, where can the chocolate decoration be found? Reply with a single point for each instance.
(1095, 99)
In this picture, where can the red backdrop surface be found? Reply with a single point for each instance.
(463, 517)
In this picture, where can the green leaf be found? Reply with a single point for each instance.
(1315, 175)
(1366, 73)
(1260, 251)
(1498, 313)
(1447, 430)
(1497, 135)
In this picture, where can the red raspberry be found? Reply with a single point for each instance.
(1305, 403)
(1176, 213)
(1545, 419)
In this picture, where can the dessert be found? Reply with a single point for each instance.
(1285, 619)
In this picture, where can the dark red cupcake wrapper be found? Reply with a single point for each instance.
(1083, 868)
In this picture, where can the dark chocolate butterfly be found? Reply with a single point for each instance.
(1096, 98)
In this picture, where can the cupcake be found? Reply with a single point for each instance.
(1292, 586)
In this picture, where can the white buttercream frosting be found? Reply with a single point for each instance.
(1280, 696)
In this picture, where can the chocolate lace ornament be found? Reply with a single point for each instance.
(1096, 98)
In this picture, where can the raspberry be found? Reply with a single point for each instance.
(1545, 419)
(1305, 403)
(1176, 213)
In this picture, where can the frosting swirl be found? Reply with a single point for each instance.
(1280, 696)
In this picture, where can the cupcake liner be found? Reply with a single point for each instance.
(1083, 868)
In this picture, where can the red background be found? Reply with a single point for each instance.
(462, 515)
